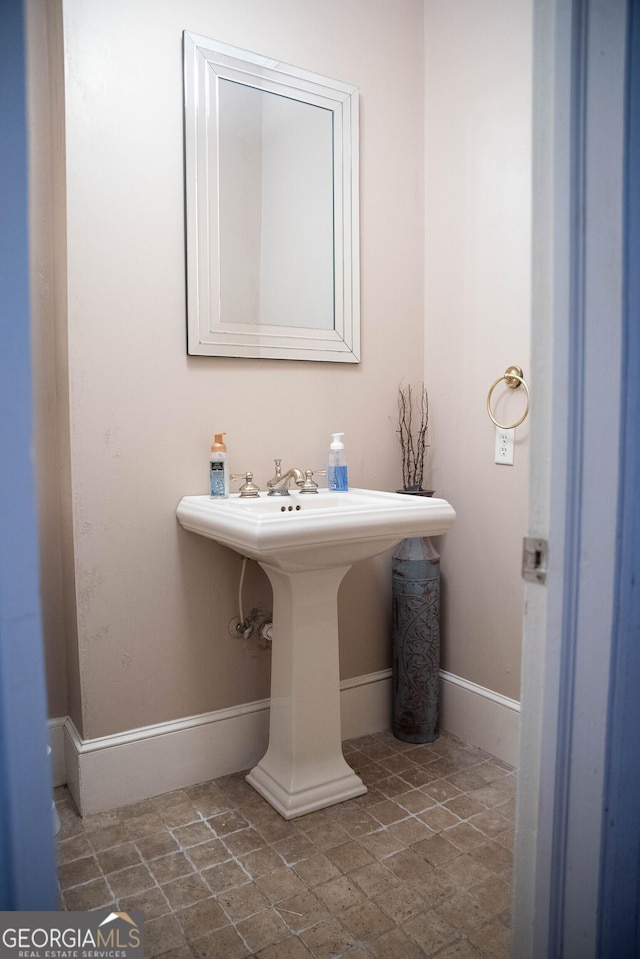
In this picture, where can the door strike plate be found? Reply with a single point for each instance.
(535, 554)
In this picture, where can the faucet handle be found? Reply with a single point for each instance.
(248, 488)
(309, 486)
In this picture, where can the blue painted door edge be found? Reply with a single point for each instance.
(27, 855)
(619, 924)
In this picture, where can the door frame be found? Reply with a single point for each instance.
(579, 328)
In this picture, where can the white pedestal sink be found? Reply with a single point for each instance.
(306, 543)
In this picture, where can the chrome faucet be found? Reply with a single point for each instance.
(279, 484)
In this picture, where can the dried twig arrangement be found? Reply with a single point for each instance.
(413, 422)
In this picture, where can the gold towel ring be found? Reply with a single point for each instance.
(513, 378)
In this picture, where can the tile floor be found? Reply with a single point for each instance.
(419, 866)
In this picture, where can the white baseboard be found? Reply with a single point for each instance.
(480, 717)
(116, 770)
(56, 742)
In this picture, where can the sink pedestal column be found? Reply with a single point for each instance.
(303, 768)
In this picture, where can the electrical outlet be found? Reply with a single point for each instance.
(505, 441)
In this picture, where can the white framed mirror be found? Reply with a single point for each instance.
(272, 211)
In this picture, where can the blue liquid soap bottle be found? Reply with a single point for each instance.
(337, 472)
(218, 471)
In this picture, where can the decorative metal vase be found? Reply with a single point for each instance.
(416, 640)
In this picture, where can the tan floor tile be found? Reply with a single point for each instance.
(492, 893)
(327, 835)
(464, 807)
(383, 843)
(490, 795)
(327, 938)
(463, 912)
(243, 841)
(184, 892)
(316, 870)
(410, 831)
(490, 822)
(409, 866)
(118, 857)
(224, 943)
(280, 885)
(178, 815)
(259, 862)
(201, 918)
(387, 812)
(291, 948)
(378, 750)
(370, 798)
(402, 903)
(430, 931)
(78, 871)
(493, 939)
(441, 790)
(294, 848)
(91, 895)
(207, 854)
(225, 875)
(436, 849)
(349, 856)
(243, 901)
(420, 775)
(108, 836)
(339, 894)
(159, 844)
(465, 871)
(393, 786)
(193, 834)
(128, 881)
(395, 944)
(98, 821)
(430, 840)
(493, 856)
(160, 935)
(414, 801)
(170, 867)
(358, 822)
(263, 929)
(302, 911)
(375, 879)
(366, 921)
(396, 763)
(438, 818)
(461, 949)
(76, 847)
(444, 768)
(136, 809)
(464, 836)
(152, 903)
(227, 822)
(139, 826)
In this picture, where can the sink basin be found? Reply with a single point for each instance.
(305, 531)
(306, 543)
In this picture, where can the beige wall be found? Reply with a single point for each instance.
(136, 610)
(152, 602)
(478, 230)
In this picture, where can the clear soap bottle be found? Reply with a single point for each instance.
(337, 472)
(218, 470)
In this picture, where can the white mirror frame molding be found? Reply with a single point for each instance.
(205, 63)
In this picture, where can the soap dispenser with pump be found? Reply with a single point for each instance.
(218, 470)
(337, 472)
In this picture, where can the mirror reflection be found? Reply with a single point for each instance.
(276, 209)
